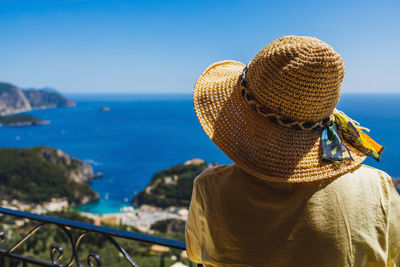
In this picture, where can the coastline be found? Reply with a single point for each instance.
(142, 218)
(103, 207)
(128, 157)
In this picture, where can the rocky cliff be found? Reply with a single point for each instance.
(42, 98)
(14, 100)
(39, 174)
(75, 169)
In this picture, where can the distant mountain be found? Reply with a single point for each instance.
(46, 98)
(14, 100)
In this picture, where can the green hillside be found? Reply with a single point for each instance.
(171, 187)
(38, 174)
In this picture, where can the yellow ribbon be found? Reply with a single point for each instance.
(352, 132)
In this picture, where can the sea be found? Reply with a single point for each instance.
(143, 134)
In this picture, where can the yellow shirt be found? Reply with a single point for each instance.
(236, 219)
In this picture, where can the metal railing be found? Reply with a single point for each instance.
(56, 252)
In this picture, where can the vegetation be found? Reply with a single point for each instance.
(169, 226)
(171, 187)
(29, 175)
(38, 246)
(41, 173)
(19, 119)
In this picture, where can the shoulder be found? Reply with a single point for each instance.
(366, 181)
(213, 172)
(373, 171)
(215, 180)
(372, 175)
(375, 174)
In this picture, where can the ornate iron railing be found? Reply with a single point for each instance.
(56, 252)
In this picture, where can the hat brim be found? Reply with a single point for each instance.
(257, 145)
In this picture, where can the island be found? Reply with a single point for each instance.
(21, 120)
(13, 100)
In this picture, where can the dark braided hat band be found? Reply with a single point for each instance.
(276, 118)
(333, 149)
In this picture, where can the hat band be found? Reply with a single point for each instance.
(333, 148)
(279, 119)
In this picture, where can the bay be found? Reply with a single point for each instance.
(143, 134)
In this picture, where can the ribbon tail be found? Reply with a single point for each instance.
(354, 135)
(372, 148)
(333, 148)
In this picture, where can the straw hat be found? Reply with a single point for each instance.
(261, 115)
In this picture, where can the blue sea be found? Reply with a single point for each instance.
(143, 134)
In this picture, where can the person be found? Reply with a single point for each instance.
(297, 193)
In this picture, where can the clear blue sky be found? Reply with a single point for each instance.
(163, 46)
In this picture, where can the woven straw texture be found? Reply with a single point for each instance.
(297, 77)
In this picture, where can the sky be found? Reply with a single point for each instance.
(151, 46)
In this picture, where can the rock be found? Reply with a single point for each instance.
(77, 170)
(12, 100)
(105, 109)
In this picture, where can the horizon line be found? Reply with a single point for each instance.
(179, 93)
(123, 93)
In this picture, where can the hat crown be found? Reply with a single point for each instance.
(297, 77)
